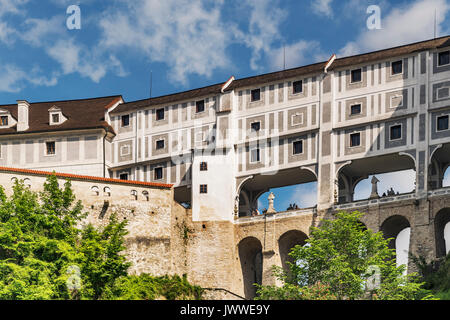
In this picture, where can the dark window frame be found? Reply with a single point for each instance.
(203, 189)
(57, 118)
(440, 57)
(50, 148)
(395, 64)
(2, 122)
(352, 113)
(160, 114)
(203, 166)
(200, 106)
(447, 117)
(124, 123)
(355, 134)
(255, 128)
(297, 87)
(397, 134)
(121, 175)
(295, 150)
(158, 173)
(353, 73)
(158, 145)
(255, 95)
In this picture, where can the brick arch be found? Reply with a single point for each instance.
(250, 256)
(392, 226)
(441, 220)
(286, 242)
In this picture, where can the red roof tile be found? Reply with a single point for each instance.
(90, 178)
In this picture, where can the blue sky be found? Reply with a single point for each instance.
(188, 43)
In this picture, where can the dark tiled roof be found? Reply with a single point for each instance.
(80, 114)
(316, 68)
(168, 99)
(392, 52)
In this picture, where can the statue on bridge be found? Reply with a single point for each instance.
(374, 194)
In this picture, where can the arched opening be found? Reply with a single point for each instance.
(250, 255)
(442, 232)
(438, 171)
(392, 183)
(398, 229)
(354, 179)
(294, 188)
(288, 241)
(446, 178)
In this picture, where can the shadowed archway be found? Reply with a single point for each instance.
(250, 255)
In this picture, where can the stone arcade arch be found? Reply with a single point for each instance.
(442, 232)
(398, 228)
(286, 242)
(252, 187)
(351, 173)
(439, 164)
(250, 256)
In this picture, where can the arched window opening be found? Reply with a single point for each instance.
(95, 190)
(250, 255)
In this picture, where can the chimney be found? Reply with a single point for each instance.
(23, 108)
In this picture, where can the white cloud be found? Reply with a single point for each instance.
(295, 54)
(402, 25)
(13, 78)
(75, 58)
(322, 7)
(304, 195)
(40, 31)
(188, 36)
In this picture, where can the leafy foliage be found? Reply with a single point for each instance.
(436, 275)
(337, 262)
(44, 254)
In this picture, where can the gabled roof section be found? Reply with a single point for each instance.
(81, 114)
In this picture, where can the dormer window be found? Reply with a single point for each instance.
(4, 121)
(56, 116)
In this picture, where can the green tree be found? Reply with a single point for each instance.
(40, 242)
(339, 258)
(47, 253)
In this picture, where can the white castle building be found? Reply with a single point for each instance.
(222, 146)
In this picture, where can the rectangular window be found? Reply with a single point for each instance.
(297, 87)
(125, 120)
(442, 123)
(158, 173)
(203, 166)
(203, 188)
(4, 120)
(200, 106)
(397, 67)
(255, 155)
(160, 114)
(50, 148)
(356, 76)
(355, 109)
(123, 176)
(160, 144)
(255, 126)
(444, 58)
(395, 132)
(55, 118)
(355, 139)
(256, 95)
(298, 147)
